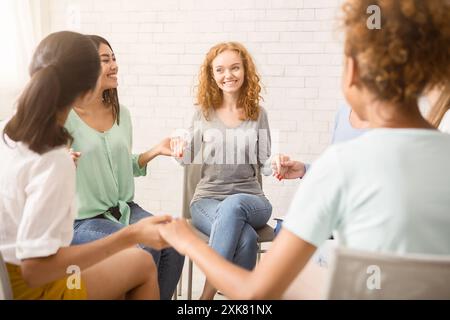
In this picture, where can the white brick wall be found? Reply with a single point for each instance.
(161, 44)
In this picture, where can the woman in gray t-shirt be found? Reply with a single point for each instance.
(230, 139)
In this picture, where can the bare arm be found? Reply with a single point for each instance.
(161, 149)
(271, 277)
(148, 156)
(42, 270)
(285, 168)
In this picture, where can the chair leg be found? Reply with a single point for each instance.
(189, 293)
(180, 285)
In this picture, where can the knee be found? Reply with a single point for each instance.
(234, 204)
(147, 265)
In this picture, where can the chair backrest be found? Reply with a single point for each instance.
(5, 286)
(191, 177)
(357, 274)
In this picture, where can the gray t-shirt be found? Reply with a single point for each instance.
(231, 159)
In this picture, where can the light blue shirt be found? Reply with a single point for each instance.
(375, 193)
(343, 129)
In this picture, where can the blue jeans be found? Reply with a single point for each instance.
(169, 262)
(231, 225)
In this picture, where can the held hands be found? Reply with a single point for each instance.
(148, 231)
(172, 147)
(177, 145)
(285, 168)
(163, 148)
(178, 234)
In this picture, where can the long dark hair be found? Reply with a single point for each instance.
(65, 65)
(110, 96)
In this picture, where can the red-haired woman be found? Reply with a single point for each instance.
(232, 131)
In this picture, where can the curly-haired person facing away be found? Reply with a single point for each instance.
(374, 191)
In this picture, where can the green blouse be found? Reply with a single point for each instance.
(106, 167)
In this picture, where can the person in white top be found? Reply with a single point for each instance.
(386, 191)
(37, 191)
(439, 115)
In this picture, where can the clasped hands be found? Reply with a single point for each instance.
(163, 231)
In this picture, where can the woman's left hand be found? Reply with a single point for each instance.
(148, 232)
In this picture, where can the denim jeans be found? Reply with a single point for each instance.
(231, 225)
(169, 262)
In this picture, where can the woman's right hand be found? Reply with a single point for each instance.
(285, 168)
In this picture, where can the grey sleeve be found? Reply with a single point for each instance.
(307, 165)
(264, 143)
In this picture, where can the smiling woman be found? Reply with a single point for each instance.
(229, 204)
(106, 169)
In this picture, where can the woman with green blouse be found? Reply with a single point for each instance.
(106, 168)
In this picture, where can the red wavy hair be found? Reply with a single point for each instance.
(209, 95)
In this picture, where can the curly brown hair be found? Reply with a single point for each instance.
(410, 51)
(209, 95)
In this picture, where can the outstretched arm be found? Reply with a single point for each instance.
(271, 277)
(41, 270)
(161, 149)
(285, 168)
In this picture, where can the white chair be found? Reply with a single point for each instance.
(363, 275)
(191, 177)
(5, 286)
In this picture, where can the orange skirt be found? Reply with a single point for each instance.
(56, 290)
